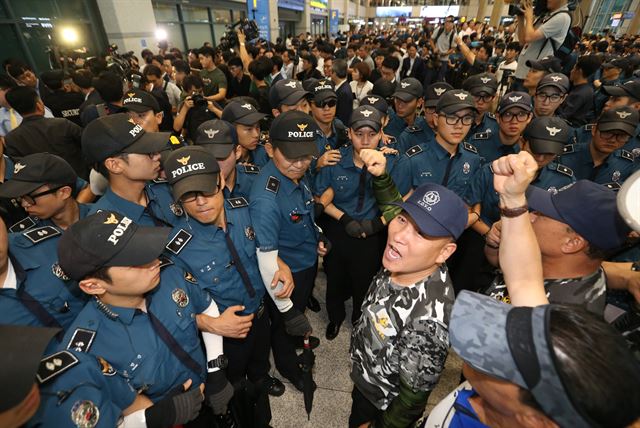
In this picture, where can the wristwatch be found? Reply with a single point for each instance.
(221, 362)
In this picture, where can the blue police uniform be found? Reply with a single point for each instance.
(396, 124)
(417, 133)
(259, 156)
(80, 390)
(633, 145)
(491, 148)
(282, 213)
(204, 252)
(245, 176)
(127, 338)
(618, 166)
(156, 213)
(30, 222)
(599, 97)
(582, 134)
(337, 139)
(480, 132)
(430, 163)
(44, 295)
(552, 178)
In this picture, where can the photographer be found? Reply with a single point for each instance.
(539, 36)
(195, 108)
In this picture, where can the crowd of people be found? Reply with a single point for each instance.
(165, 218)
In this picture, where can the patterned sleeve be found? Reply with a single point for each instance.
(423, 346)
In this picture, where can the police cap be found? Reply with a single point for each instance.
(433, 93)
(556, 80)
(243, 113)
(409, 89)
(366, 116)
(294, 133)
(36, 170)
(217, 136)
(140, 101)
(455, 100)
(192, 169)
(623, 119)
(481, 83)
(547, 134)
(286, 91)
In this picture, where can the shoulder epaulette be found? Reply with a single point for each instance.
(239, 202)
(273, 184)
(178, 242)
(491, 115)
(251, 169)
(470, 147)
(413, 128)
(615, 186)
(413, 151)
(24, 224)
(41, 233)
(159, 180)
(589, 126)
(481, 136)
(562, 169)
(624, 154)
(55, 364)
(569, 148)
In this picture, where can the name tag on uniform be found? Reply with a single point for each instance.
(41, 233)
(178, 242)
(81, 340)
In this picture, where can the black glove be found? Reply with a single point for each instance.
(371, 227)
(318, 209)
(296, 323)
(177, 408)
(218, 392)
(351, 226)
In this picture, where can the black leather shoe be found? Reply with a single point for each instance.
(313, 304)
(276, 387)
(332, 330)
(313, 341)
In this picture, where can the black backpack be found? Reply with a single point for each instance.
(439, 33)
(563, 51)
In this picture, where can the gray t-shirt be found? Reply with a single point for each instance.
(444, 41)
(554, 26)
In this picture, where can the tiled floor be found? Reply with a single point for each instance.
(332, 399)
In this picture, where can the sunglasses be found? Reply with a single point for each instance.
(328, 103)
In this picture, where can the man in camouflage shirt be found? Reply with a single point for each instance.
(577, 228)
(400, 344)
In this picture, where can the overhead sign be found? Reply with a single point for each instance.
(393, 11)
(439, 11)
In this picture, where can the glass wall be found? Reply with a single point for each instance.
(30, 29)
(603, 13)
(191, 25)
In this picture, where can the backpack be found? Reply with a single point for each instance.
(439, 33)
(563, 51)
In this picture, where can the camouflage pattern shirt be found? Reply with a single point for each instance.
(588, 291)
(402, 335)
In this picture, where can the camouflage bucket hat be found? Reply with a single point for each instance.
(513, 344)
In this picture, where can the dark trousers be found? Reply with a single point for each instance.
(283, 345)
(468, 267)
(350, 266)
(362, 410)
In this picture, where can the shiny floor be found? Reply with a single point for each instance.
(332, 399)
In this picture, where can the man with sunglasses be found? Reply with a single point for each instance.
(446, 160)
(246, 119)
(407, 100)
(483, 87)
(604, 160)
(282, 210)
(220, 249)
(129, 157)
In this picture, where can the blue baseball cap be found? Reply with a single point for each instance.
(436, 210)
(588, 208)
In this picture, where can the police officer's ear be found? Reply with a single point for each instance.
(446, 251)
(573, 244)
(269, 149)
(275, 112)
(594, 129)
(65, 192)
(237, 152)
(93, 286)
(114, 165)
(159, 116)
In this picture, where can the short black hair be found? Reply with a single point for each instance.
(391, 62)
(109, 86)
(6, 82)
(514, 46)
(181, 66)
(192, 81)
(207, 51)
(152, 70)
(17, 69)
(261, 67)
(235, 62)
(276, 60)
(22, 99)
(588, 64)
(83, 78)
(311, 58)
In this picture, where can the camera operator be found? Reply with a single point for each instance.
(507, 67)
(195, 108)
(538, 36)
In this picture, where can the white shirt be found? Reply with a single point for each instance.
(11, 281)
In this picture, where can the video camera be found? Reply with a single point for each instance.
(248, 27)
(539, 7)
(121, 64)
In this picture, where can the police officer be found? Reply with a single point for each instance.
(483, 88)
(353, 225)
(604, 160)
(550, 94)
(407, 100)
(144, 109)
(380, 104)
(611, 76)
(432, 94)
(514, 114)
(445, 160)
(144, 319)
(627, 94)
(281, 207)
(246, 119)
(129, 157)
(220, 139)
(288, 94)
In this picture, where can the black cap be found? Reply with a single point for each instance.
(140, 101)
(384, 88)
(106, 239)
(630, 88)
(366, 116)
(217, 136)
(38, 169)
(547, 134)
(515, 99)
(287, 91)
(323, 90)
(191, 169)
(117, 133)
(294, 133)
(557, 80)
(433, 93)
(243, 113)
(616, 119)
(617, 62)
(549, 64)
(377, 102)
(479, 83)
(455, 100)
(22, 349)
(409, 89)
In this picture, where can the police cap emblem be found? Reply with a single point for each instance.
(461, 96)
(439, 91)
(366, 113)
(211, 132)
(405, 84)
(623, 114)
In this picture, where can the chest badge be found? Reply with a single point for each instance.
(616, 176)
(176, 209)
(466, 168)
(295, 216)
(249, 233)
(57, 271)
(85, 414)
(180, 297)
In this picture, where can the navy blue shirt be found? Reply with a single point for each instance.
(396, 124)
(259, 156)
(282, 214)
(418, 133)
(208, 258)
(616, 168)
(126, 338)
(245, 176)
(345, 180)
(488, 126)
(491, 148)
